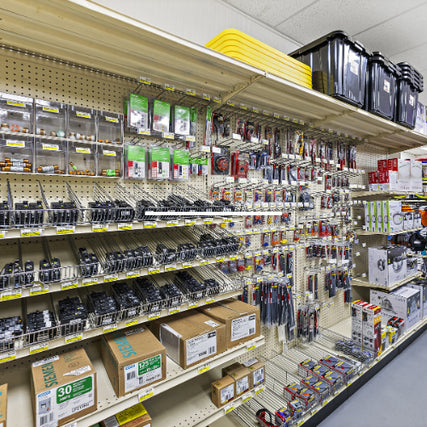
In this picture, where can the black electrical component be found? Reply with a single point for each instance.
(10, 328)
(102, 212)
(28, 214)
(89, 263)
(124, 211)
(127, 299)
(150, 294)
(4, 214)
(104, 306)
(72, 315)
(172, 293)
(195, 289)
(165, 255)
(64, 213)
(40, 326)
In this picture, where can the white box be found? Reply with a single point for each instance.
(399, 171)
(387, 265)
(373, 215)
(408, 220)
(356, 321)
(367, 208)
(416, 179)
(392, 216)
(422, 287)
(420, 120)
(411, 266)
(406, 304)
(379, 216)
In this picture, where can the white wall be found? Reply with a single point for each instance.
(198, 20)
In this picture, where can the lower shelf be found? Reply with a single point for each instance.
(19, 390)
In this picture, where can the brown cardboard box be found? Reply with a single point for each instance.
(257, 370)
(191, 339)
(3, 405)
(227, 369)
(63, 388)
(222, 391)
(135, 416)
(242, 321)
(241, 377)
(133, 359)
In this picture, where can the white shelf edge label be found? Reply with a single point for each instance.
(146, 394)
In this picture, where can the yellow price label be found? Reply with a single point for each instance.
(131, 323)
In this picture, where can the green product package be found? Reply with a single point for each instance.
(161, 116)
(193, 121)
(181, 164)
(182, 120)
(159, 166)
(135, 161)
(138, 112)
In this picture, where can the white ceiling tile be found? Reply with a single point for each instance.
(352, 17)
(416, 57)
(272, 12)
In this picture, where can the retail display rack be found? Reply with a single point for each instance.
(51, 60)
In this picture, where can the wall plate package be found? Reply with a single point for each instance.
(138, 118)
(181, 120)
(81, 158)
(416, 178)
(110, 161)
(81, 123)
(180, 165)
(133, 359)
(50, 156)
(392, 216)
(63, 388)
(135, 161)
(161, 112)
(16, 154)
(110, 127)
(193, 121)
(16, 113)
(51, 118)
(159, 163)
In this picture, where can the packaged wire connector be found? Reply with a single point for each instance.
(137, 113)
(159, 163)
(161, 116)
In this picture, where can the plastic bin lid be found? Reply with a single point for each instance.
(316, 44)
(385, 62)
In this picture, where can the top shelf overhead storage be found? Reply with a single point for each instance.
(75, 31)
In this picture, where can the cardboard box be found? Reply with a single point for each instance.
(133, 359)
(241, 377)
(422, 287)
(382, 165)
(135, 416)
(227, 369)
(387, 265)
(257, 369)
(222, 391)
(242, 321)
(191, 338)
(405, 304)
(3, 405)
(399, 174)
(63, 388)
(373, 180)
(383, 180)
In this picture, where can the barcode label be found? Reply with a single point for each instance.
(227, 393)
(45, 419)
(131, 376)
(251, 331)
(200, 347)
(258, 376)
(243, 327)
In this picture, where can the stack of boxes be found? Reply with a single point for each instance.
(396, 175)
(366, 325)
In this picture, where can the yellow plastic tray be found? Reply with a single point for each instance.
(245, 48)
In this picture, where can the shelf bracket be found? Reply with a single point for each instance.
(226, 96)
(326, 119)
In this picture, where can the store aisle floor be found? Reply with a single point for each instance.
(394, 397)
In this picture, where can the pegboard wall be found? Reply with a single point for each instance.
(48, 79)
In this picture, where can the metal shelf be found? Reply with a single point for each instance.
(368, 233)
(366, 284)
(132, 46)
(109, 404)
(19, 389)
(61, 342)
(47, 231)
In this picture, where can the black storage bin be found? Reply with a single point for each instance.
(409, 84)
(382, 86)
(338, 66)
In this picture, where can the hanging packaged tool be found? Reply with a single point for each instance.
(277, 152)
(208, 127)
(239, 164)
(220, 161)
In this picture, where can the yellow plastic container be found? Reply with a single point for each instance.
(247, 49)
